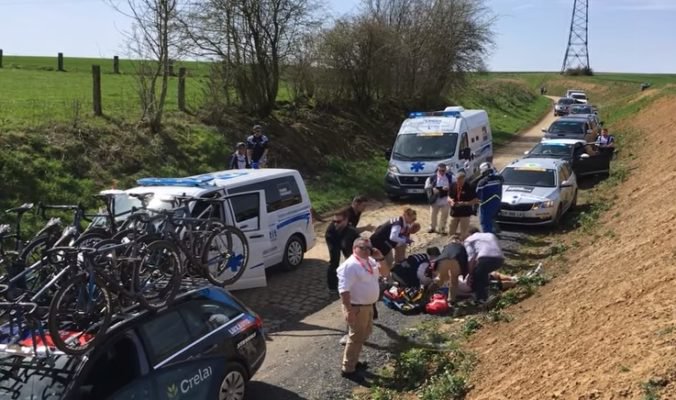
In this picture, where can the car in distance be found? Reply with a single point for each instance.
(582, 156)
(206, 345)
(579, 97)
(571, 128)
(562, 106)
(537, 191)
(582, 109)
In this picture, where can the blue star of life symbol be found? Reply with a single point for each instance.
(234, 263)
(417, 166)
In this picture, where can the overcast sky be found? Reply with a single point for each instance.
(530, 35)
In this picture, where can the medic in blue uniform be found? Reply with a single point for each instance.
(489, 192)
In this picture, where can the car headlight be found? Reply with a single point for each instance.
(393, 169)
(544, 204)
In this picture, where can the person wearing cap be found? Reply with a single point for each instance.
(489, 193)
(461, 199)
(437, 187)
(239, 159)
(359, 288)
(257, 148)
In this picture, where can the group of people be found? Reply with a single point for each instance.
(465, 265)
(253, 153)
(453, 195)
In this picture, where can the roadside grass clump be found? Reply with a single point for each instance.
(470, 326)
(447, 385)
(653, 387)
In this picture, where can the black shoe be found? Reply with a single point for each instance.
(361, 365)
(354, 376)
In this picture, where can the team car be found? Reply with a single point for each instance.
(537, 191)
(206, 345)
(582, 156)
(562, 106)
(580, 126)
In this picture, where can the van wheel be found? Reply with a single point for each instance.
(294, 252)
(233, 385)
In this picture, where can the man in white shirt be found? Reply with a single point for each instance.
(485, 256)
(358, 285)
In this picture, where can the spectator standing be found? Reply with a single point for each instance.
(605, 142)
(239, 158)
(489, 192)
(485, 256)
(358, 284)
(335, 237)
(354, 212)
(461, 199)
(437, 187)
(257, 148)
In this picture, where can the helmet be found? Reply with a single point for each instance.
(240, 145)
(485, 167)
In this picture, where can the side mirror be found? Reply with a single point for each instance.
(584, 156)
(388, 154)
(566, 184)
(544, 130)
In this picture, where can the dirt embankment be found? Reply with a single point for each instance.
(609, 324)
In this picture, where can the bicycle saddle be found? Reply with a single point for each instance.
(21, 209)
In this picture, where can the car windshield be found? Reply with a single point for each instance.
(28, 378)
(578, 96)
(551, 150)
(563, 126)
(424, 146)
(565, 100)
(517, 176)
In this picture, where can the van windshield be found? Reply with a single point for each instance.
(424, 146)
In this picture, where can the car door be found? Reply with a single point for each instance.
(248, 212)
(565, 193)
(589, 161)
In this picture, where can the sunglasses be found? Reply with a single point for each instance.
(365, 247)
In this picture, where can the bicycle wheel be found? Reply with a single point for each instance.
(157, 276)
(79, 315)
(90, 239)
(225, 256)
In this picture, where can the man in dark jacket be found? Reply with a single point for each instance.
(489, 192)
(335, 237)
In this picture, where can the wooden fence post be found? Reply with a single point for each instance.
(96, 75)
(116, 65)
(60, 62)
(181, 88)
(0, 58)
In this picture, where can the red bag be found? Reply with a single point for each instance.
(437, 305)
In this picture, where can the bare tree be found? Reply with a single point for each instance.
(254, 38)
(153, 42)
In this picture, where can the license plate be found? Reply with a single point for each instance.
(512, 214)
(415, 191)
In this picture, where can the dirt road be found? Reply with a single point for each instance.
(305, 320)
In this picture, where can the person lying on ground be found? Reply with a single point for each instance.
(504, 282)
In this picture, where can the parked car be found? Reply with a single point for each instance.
(206, 345)
(594, 122)
(537, 191)
(582, 109)
(570, 127)
(562, 106)
(569, 92)
(579, 97)
(582, 156)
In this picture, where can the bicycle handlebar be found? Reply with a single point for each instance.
(27, 305)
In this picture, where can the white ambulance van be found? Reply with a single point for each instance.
(271, 207)
(459, 138)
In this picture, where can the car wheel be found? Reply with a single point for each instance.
(557, 220)
(294, 252)
(233, 385)
(574, 203)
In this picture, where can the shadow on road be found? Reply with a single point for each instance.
(264, 391)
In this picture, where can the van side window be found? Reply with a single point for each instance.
(202, 209)
(464, 142)
(246, 209)
(279, 192)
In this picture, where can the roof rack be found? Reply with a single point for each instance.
(418, 114)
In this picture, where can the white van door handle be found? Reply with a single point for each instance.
(256, 236)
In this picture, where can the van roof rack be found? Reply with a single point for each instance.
(189, 182)
(419, 114)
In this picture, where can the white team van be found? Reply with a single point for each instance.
(457, 137)
(271, 207)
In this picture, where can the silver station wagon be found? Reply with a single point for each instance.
(537, 191)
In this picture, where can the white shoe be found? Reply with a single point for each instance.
(343, 340)
(536, 271)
